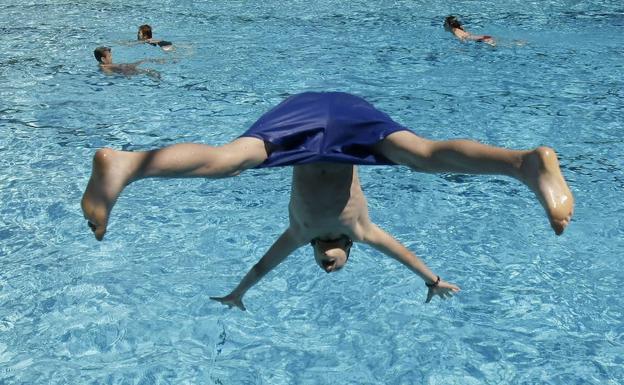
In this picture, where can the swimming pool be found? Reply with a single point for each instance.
(134, 309)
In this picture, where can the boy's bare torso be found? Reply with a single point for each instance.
(327, 202)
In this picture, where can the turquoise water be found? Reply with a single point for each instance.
(134, 309)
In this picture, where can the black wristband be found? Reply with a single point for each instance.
(433, 284)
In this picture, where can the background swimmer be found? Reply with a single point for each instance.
(104, 56)
(453, 25)
(145, 35)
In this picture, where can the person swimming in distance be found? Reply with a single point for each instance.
(104, 56)
(453, 25)
(144, 34)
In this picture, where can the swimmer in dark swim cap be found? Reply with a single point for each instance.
(145, 35)
(453, 25)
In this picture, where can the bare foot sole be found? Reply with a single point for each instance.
(106, 183)
(541, 172)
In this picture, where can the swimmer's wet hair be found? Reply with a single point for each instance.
(146, 31)
(453, 22)
(99, 52)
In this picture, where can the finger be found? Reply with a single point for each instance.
(450, 286)
(429, 296)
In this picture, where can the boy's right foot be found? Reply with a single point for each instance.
(110, 174)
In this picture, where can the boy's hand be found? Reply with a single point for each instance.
(443, 289)
(231, 300)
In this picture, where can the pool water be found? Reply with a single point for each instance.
(135, 309)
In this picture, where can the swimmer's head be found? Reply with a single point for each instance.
(451, 22)
(331, 254)
(103, 55)
(145, 32)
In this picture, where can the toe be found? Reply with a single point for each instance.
(99, 233)
(98, 230)
(559, 226)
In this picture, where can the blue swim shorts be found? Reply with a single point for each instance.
(323, 127)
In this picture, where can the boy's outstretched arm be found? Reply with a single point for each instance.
(281, 248)
(384, 242)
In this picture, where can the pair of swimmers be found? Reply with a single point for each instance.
(323, 136)
(104, 56)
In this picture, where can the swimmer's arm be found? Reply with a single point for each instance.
(282, 248)
(159, 61)
(129, 43)
(387, 244)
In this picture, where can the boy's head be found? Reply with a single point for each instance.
(332, 254)
(451, 22)
(145, 32)
(102, 55)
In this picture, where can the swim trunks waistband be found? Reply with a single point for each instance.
(323, 127)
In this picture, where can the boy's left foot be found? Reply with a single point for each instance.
(541, 172)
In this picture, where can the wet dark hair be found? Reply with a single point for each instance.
(453, 22)
(99, 52)
(144, 30)
(348, 243)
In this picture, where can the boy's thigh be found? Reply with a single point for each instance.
(402, 146)
(248, 152)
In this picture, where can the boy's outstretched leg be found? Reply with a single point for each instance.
(538, 168)
(113, 170)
